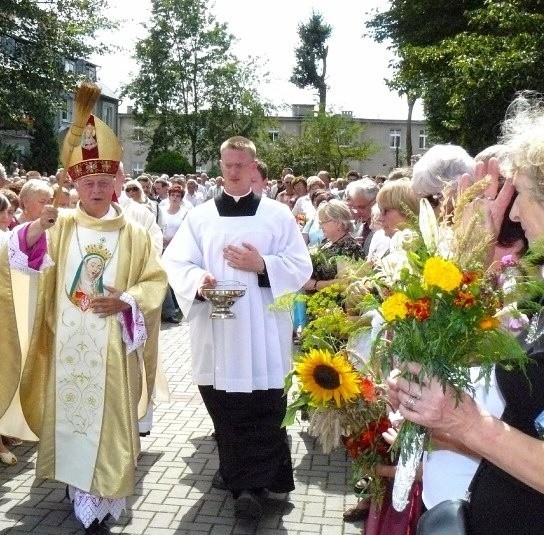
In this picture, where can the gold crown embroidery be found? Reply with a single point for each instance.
(99, 249)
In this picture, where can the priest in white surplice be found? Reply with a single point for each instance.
(240, 364)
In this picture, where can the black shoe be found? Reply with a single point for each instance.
(357, 512)
(171, 319)
(98, 528)
(248, 506)
(218, 482)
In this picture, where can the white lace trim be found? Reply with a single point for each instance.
(18, 260)
(139, 331)
(88, 508)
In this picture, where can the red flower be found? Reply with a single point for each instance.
(465, 299)
(351, 446)
(368, 439)
(420, 309)
(469, 277)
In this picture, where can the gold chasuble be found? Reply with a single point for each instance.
(80, 389)
(10, 348)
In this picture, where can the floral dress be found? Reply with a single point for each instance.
(325, 258)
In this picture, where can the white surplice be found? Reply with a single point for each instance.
(252, 351)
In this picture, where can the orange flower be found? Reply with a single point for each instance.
(420, 309)
(469, 277)
(489, 323)
(367, 389)
(465, 299)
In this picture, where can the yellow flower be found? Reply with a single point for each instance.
(325, 377)
(442, 273)
(394, 307)
(489, 323)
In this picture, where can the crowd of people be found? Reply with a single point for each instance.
(126, 252)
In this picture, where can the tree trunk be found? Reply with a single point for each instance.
(409, 150)
(322, 88)
(322, 97)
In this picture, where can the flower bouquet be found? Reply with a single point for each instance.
(329, 326)
(347, 408)
(441, 309)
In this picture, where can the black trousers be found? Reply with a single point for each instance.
(253, 448)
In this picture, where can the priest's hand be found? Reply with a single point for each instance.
(246, 258)
(108, 305)
(208, 281)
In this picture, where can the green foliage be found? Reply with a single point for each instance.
(330, 326)
(169, 162)
(328, 141)
(420, 22)
(468, 62)
(190, 83)
(44, 145)
(311, 57)
(10, 153)
(35, 38)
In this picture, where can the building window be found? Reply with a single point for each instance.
(423, 139)
(69, 66)
(90, 72)
(137, 168)
(273, 134)
(108, 114)
(394, 138)
(138, 134)
(67, 110)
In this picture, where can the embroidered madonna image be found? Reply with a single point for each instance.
(88, 280)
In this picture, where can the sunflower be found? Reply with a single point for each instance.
(326, 377)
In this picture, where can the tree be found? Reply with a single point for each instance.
(169, 162)
(190, 83)
(311, 57)
(420, 22)
(481, 54)
(35, 38)
(44, 145)
(329, 141)
(10, 153)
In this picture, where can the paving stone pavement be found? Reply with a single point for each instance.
(173, 491)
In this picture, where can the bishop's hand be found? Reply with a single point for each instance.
(48, 216)
(108, 305)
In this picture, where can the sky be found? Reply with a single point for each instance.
(356, 65)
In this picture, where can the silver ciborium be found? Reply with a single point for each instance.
(222, 297)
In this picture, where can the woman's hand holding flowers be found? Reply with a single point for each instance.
(427, 403)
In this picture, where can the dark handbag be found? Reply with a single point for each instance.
(447, 518)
